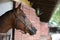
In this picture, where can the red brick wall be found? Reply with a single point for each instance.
(42, 28)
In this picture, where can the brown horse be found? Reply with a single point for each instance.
(16, 18)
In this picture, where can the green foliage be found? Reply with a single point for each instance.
(56, 16)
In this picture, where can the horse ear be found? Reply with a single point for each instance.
(19, 6)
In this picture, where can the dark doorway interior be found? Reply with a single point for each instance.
(46, 8)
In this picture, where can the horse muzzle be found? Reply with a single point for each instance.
(32, 31)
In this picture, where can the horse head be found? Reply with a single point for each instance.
(22, 22)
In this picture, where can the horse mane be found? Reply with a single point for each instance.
(6, 14)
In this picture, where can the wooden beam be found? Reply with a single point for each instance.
(13, 29)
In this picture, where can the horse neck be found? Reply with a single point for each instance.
(6, 22)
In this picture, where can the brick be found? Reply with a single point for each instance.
(42, 27)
